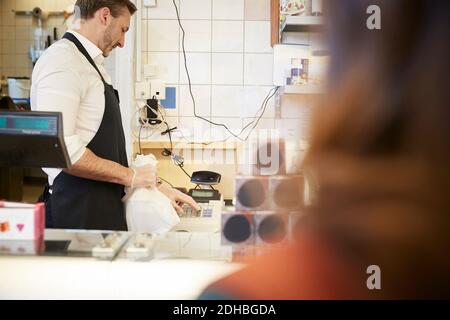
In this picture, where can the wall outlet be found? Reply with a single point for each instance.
(157, 89)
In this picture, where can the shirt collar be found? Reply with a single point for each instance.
(94, 52)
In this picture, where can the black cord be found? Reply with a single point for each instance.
(179, 162)
(190, 85)
(166, 182)
(263, 112)
(262, 108)
(139, 139)
(181, 167)
(168, 129)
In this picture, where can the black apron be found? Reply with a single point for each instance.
(77, 203)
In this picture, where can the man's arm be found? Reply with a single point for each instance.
(89, 166)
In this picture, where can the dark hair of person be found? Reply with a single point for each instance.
(379, 161)
(89, 7)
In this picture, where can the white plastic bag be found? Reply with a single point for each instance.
(147, 209)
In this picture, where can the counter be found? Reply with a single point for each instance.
(181, 266)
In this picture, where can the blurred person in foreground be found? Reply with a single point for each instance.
(380, 163)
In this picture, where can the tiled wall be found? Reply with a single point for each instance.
(17, 33)
(230, 62)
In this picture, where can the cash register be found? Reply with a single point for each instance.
(32, 139)
(207, 219)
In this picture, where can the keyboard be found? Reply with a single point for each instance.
(208, 219)
(206, 211)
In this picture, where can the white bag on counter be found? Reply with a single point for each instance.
(147, 209)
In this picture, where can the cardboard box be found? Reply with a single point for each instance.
(20, 221)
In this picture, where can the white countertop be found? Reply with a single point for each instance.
(180, 269)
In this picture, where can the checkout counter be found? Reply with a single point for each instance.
(70, 264)
(180, 264)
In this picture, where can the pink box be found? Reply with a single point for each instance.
(20, 221)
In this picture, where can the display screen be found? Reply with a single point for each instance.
(28, 125)
(202, 194)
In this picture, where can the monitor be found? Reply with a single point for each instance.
(32, 139)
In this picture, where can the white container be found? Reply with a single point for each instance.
(19, 88)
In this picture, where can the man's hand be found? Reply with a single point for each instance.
(177, 198)
(143, 177)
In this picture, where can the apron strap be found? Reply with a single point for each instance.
(69, 36)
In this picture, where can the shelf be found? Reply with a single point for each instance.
(304, 89)
(303, 24)
(185, 145)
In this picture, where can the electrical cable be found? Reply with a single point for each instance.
(166, 182)
(190, 84)
(178, 160)
(140, 147)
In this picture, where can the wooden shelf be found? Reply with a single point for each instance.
(304, 89)
(182, 144)
(303, 24)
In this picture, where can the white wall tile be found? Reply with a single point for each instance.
(233, 124)
(172, 121)
(202, 96)
(198, 36)
(257, 10)
(228, 9)
(226, 101)
(163, 10)
(163, 35)
(228, 36)
(258, 69)
(195, 9)
(199, 66)
(167, 63)
(227, 68)
(253, 99)
(257, 37)
(144, 36)
(194, 129)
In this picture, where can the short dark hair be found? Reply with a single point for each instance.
(88, 8)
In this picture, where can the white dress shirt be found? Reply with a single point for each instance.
(63, 80)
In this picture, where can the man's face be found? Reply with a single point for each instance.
(115, 33)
